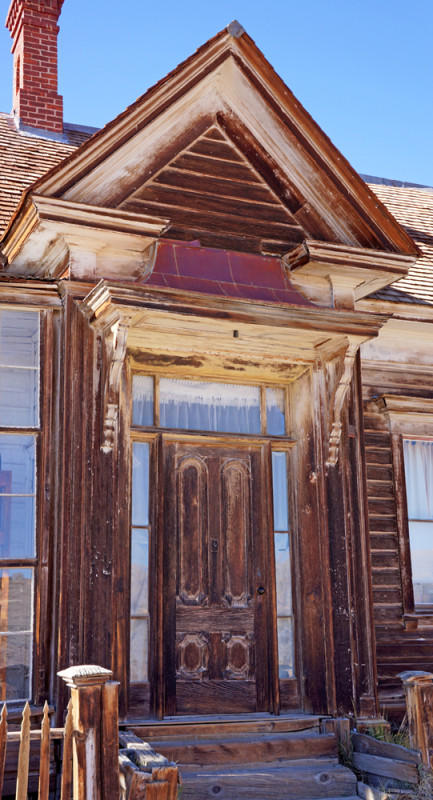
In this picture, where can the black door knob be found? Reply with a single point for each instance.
(261, 590)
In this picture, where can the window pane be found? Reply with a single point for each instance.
(19, 397)
(17, 464)
(285, 647)
(15, 666)
(283, 574)
(275, 412)
(19, 338)
(279, 485)
(17, 527)
(418, 463)
(139, 572)
(194, 405)
(16, 600)
(421, 548)
(142, 400)
(140, 483)
(139, 650)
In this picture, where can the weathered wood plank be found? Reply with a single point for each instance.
(223, 187)
(362, 743)
(110, 740)
(44, 768)
(222, 150)
(66, 784)
(190, 619)
(229, 697)
(23, 758)
(386, 767)
(196, 201)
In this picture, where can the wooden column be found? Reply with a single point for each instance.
(95, 732)
(418, 688)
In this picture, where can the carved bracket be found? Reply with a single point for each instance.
(113, 326)
(337, 403)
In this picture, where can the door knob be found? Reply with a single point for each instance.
(261, 590)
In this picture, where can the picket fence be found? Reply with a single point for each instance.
(92, 766)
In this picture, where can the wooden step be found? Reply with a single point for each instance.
(248, 748)
(303, 780)
(219, 726)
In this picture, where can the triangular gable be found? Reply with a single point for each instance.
(221, 151)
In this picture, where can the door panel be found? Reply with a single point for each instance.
(217, 517)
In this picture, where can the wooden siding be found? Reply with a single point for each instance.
(397, 648)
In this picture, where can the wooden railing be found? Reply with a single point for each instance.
(92, 767)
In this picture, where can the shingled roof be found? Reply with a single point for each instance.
(24, 158)
(413, 208)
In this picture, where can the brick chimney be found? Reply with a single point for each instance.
(33, 27)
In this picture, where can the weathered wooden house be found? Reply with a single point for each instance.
(216, 375)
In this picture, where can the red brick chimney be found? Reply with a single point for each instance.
(33, 27)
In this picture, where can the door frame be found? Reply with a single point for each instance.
(163, 634)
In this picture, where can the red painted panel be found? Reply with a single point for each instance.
(191, 268)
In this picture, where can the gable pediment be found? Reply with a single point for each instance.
(221, 152)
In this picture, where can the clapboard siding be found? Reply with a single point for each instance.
(397, 649)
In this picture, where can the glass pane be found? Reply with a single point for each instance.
(19, 397)
(140, 483)
(142, 400)
(418, 463)
(283, 574)
(19, 338)
(275, 412)
(421, 548)
(15, 666)
(139, 650)
(279, 485)
(139, 572)
(224, 407)
(285, 647)
(17, 527)
(17, 464)
(16, 600)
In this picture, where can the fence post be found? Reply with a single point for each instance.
(93, 701)
(418, 689)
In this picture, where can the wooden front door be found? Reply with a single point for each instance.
(219, 633)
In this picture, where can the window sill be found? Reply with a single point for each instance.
(420, 618)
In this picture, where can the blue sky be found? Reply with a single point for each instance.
(363, 69)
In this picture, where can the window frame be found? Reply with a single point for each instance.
(408, 418)
(36, 432)
(142, 698)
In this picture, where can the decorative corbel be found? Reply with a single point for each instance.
(337, 402)
(113, 326)
(115, 340)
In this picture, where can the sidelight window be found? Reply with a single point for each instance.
(418, 463)
(283, 566)
(19, 420)
(139, 630)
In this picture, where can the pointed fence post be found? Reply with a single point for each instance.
(418, 688)
(94, 721)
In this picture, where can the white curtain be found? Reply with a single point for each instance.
(193, 405)
(418, 464)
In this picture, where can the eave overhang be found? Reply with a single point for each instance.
(51, 236)
(339, 274)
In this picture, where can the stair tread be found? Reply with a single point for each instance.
(253, 736)
(300, 765)
(301, 780)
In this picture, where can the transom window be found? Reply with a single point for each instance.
(418, 464)
(199, 405)
(19, 421)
